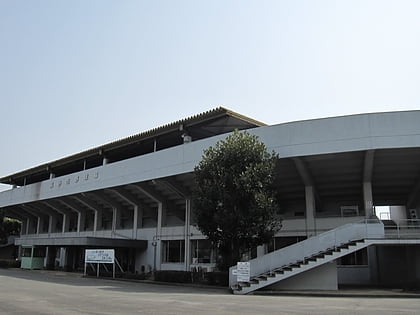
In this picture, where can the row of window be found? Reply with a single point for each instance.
(173, 251)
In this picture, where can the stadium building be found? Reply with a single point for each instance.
(134, 195)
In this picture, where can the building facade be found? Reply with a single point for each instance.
(134, 195)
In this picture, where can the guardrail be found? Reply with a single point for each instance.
(370, 228)
(409, 228)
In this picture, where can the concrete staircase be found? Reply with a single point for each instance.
(306, 255)
(294, 268)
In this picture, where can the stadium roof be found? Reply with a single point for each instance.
(210, 123)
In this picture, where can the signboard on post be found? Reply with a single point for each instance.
(243, 271)
(102, 256)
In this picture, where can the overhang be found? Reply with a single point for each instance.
(83, 241)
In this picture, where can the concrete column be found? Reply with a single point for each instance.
(310, 211)
(135, 221)
(38, 225)
(50, 224)
(50, 257)
(81, 221)
(187, 234)
(24, 226)
(116, 218)
(97, 221)
(160, 223)
(368, 199)
(28, 223)
(66, 223)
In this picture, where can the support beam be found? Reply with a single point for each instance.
(97, 211)
(176, 187)
(65, 213)
(31, 219)
(310, 211)
(368, 166)
(81, 215)
(105, 199)
(413, 197)
(367, 183)
(306, 177)
(134, 202)
(115, 206)
(149, 192)
(39, 217)
(368, 200)
(187, 234)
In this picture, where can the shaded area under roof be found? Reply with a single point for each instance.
(213, 122)
(83, 241)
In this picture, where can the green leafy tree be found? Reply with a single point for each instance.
(234, 200)
(8, 227)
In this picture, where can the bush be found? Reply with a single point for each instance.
(217, 278)
(173, 276)
(9, 263)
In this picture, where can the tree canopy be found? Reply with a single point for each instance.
(234, 200)
(8, 227)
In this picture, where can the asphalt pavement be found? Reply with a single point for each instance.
(55, 292)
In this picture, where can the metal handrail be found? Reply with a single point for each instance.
(368, 228)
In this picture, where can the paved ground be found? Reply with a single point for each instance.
(47, 292)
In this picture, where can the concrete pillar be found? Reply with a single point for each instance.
(52, 223)
(368, 200)
(161, 215)
(28, 223)
(310, 211)
(38, 225)
(135, 221)
(66, 223)
(97, 221)
(187, 234)
(50, 257)
(81, 221)
(24, 227)
(116, 218)
(140, 217)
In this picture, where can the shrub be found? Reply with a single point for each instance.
(173, 276)
(9, 263)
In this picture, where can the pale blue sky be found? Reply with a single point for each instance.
(77, 74)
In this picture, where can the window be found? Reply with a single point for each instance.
(173, 251)
(26, 252)
(201, 252)
(39, 252)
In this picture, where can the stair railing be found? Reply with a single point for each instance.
(370, 228)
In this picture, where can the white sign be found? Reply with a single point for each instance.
(243, 271)
(103, 256)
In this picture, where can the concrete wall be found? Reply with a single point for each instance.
(329, 135)
(353, 275)
(323, 277)
(398, 213)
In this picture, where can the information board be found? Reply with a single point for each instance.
(102, 256)
(243, 271)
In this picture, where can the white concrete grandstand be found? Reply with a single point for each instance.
(134, 195)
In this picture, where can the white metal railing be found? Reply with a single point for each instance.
(409, 228)
(311, 246)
